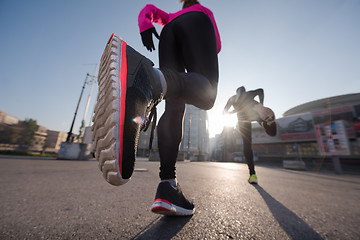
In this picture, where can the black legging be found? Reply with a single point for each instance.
(187, 43)
(245, 131)
(244, 125)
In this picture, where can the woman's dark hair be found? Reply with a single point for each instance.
(189, 3)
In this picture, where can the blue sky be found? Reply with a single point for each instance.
(298, 51)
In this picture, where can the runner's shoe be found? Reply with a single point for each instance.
(267, 119)
(253, 179)
(129, 88)
(269, 127)
(169, 200)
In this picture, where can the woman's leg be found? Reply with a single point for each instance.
(169, 137)
(245, 131)
(187, 43)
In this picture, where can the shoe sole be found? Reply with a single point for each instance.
(161, 206)
(109, 113)
(270, 125)
(270, 128)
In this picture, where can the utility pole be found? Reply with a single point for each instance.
(89, 98)
(68, 139)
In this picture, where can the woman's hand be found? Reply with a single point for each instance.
(147, 39)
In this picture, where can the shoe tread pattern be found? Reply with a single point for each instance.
(107, 113)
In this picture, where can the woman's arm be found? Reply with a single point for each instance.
(151, 14)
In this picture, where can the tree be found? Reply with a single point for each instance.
(26, 133)
(9, 134)
(81, 130)
(22, 133)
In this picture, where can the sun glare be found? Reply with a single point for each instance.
(217, 121)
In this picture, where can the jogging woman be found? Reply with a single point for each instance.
(130, 88)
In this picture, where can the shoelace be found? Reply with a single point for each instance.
(152, 117)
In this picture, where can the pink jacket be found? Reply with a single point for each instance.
(151, 14)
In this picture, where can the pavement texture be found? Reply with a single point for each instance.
(44, 198)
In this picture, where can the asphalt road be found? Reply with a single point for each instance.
(55, 199)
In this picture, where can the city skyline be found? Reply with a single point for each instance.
(297, 51)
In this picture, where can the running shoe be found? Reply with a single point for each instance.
(129, 89)
(269, 127)
(169, 200)
(268, 121)
(253, 179)
(269, 124)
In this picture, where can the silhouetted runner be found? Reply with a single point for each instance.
(248, 110)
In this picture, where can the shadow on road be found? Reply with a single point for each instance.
(294, 226)
(162, 227)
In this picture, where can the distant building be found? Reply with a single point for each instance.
(7, 119)
(195, 139)
(299, 130)
(144, 142)
(38, 144)
(6, 124)
(195, 132)
(44, 139)
(214, 147)
(54, 140)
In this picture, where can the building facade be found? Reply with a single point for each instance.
(54, 140)
(315, 130)
(38, 144)
(44, 140)
(144, 142)
(7, 119)
(195, 140)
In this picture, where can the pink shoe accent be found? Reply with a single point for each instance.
(123, 81)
